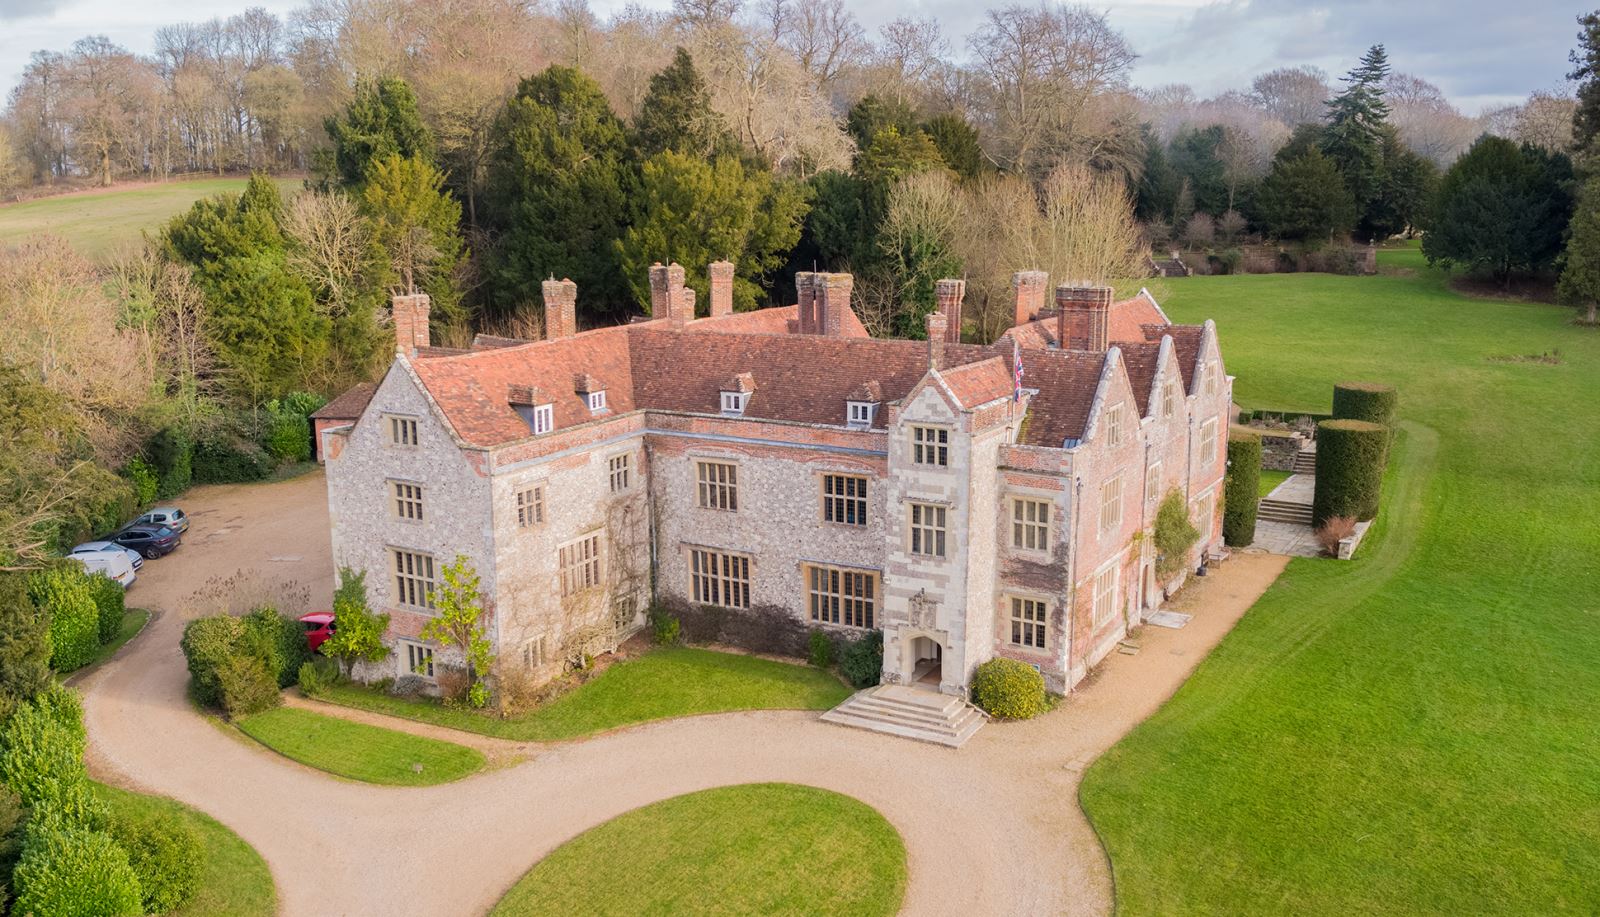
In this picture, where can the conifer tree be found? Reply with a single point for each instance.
(1353, 138)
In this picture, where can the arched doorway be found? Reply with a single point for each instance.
(927, 669)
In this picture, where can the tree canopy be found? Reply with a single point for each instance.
(381, 121)
(1501, 208)
(1303, 199)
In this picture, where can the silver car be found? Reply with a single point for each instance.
(108, 547)
(169, 516)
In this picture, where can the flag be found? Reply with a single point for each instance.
(1016, 361)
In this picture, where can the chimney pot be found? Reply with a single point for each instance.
(560, 309)
(1083, 316)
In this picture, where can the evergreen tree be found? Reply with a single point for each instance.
(1353, 137)
(1405, 183)
(418, 224)
(1194, 157)
(836, 228)
(1501, 208)
(1586, 73)
(24, 646)
(1580, 273)
(677, 115)
(874, 114)
(1157, 192)
(694, 212)
(1302, 199)
(560, 183)
(957, 143)
(381, 121)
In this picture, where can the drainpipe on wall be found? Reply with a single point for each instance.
(1072, 580)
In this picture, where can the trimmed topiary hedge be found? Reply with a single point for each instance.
(278, 641)
(165, 855)
(227, 460)
(1008, 689)
(1241, 489)
(110, 602)
(1369, 401)
(1350, 459)
(64, 595)
(207, 643)
(74, 872)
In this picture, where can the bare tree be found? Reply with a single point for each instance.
(331, 246)
(822, 34)
(909, 51)
(1545, 120)
(999, 235)
(1425, 119)
(1088, 230)
(161, 306)
(1292, 95)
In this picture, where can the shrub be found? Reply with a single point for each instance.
(1332, 531)
(759, 629)
(278, 641)
(110, 602)
(1008, 689)
(38, 752)
(288, 426)
(1174, 535)
(164, 853)
(821, 649)
(171, 453)
(1228, 260)
(315, 676)
(207, 644)
(358, 635)
(24, 645)
(1241, 489)
(228, 459)
(1367, 401)
(146, 482)
(1350, 459)
(861, 660)
(13, 821)
(246, 686)
(63, 594)
(452, 681)
(74, 872)
(666, 629)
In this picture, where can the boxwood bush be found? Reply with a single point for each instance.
(1241, 489)
(861, 660)
(1350, 460)
(110, 602)
(63, 594)
(1008, 689)
(207, 644)
(165, 855)
(246, 686)
(74, 872)
(278, 641)
(1369, 401)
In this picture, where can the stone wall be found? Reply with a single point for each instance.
(1278, 449)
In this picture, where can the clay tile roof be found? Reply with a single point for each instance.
(492, 341)
(524, 394)
(739, 382)
(1185, 345)
(349, 405)
(776, 320)
(583, 383)
(1066, 380)
(440, 351)
(979, 383)
(1140, 360)
(1127, 322)
(866, 391)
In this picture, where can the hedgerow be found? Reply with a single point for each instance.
(1241, 489)
(1350, 460)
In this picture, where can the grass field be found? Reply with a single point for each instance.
(661, 684)
(234, 880)
(360, 752)
(1271, 479)
(1414, 731)
(98, 223)
(764, 848)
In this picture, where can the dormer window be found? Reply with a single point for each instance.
(736, 393)
(592, 390)
(543, 418)
(860, 413)
(733, 402)
(597, 401)
(526, 401)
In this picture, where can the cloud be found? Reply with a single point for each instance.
(12, 10)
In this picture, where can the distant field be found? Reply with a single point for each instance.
(100, 222)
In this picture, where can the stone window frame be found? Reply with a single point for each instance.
(930, 442)
(1152, 483)
(717, 576)
(413, 574)
(529, 502)
(1114, 424)
(405, 500)
(1208, 450)
(580, 563)
(532, 652)
(834, 506)
(925, 523)
(1208, 500)
(1108, 577)
(403, 431)
(842, 596)
(1028, 624)
(619, 471)
(1111, 504)
(716, 484)
(1038, 530)
(1169, 399)
(417, 656)
(1209, 385)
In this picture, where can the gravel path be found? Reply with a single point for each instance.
(994, 828)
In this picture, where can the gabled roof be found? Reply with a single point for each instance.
(349, 405)
(1066, 380)
(979, 383)
(1141, 360)
(776, 320)
(1186, 343)
(1127, 322)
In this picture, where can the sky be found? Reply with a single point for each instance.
(1482, 53)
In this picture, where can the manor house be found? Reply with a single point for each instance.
(968, 500)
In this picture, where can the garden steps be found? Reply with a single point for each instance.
(1305, 462)
(910, 713)
(1284, 511)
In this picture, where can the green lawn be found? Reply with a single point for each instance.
(360, 752)
(1414, 731)
(1271, 479)
(234, 881)
(664, 683)
(760, 848)
(99, 223)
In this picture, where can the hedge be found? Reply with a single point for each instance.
(207, 644)
(278, 641)
(229, 460)
(110, 602)
(63, 594)
(1008, 689)
(165, 855)
(1369, 401)
(861, 660)
(74, 872)
(1241, 489)
(171, 452)
(246, 686)
(1350, 460)
(39, 753)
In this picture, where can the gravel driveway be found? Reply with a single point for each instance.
(993, 828)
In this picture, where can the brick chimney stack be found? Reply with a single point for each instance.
(1083, 316)
(948, 294)
(669, 298)
(833, 301)
(1029, 287)
(721, 274)
(805, 289)
(560, 309)
(938, 330)
(411, 322)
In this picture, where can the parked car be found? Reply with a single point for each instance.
(107, 547)
(150, 540)
(319, 627)
(116, 566)
(169, 516)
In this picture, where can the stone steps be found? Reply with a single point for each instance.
(1284, 511)
(925, 716)
(1305, 462)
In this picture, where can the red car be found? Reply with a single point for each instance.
(319, 627)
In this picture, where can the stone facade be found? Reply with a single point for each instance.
(595, 508)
